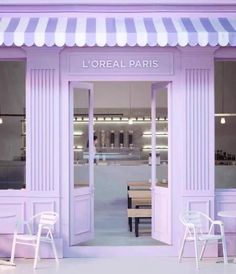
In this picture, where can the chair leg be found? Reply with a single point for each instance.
(129, 219)
(13, 250)
(203, 250)
(36, 254)
(182, 246)
(136, 227)
(182, 249)
(224, 250)
(196, 253)
(54, 250)
(130, 224)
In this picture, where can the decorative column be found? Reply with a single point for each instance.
(42, 128)
(198, 81)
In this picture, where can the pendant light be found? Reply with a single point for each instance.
(222, 119)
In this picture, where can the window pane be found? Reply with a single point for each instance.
(12, 127)
(162, 136)
(81, 137)
(225, 124)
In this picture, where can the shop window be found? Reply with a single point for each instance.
(12, 125)
(225, 124)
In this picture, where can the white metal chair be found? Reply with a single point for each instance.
(46, 221)
(194, 223)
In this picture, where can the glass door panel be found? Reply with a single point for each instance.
(82, 159)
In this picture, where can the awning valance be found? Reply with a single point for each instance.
(117, 31)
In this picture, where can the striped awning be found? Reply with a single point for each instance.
(117, 31)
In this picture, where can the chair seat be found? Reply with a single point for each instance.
(205, 237)
(26, 237)
(209, 237)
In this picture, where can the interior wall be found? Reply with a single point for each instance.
(126, 94)
(12, 101)
(120, 95)
(127, 99)
(225, 91)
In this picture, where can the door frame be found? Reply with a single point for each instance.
(85, 194)
(157, 191)
(177, 174)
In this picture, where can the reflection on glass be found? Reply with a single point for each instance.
(12, 126)
(162, 137)
(81, 144)
(121, 138)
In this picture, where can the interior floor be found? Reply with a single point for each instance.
(111, 224)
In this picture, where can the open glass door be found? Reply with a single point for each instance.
(161, 198)
(82, 161)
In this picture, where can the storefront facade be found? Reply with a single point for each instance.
(175, 52)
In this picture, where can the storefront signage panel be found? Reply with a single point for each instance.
(132, 64)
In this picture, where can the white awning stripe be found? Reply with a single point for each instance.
(117, 31)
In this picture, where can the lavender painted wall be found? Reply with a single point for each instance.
(191, 167)
(48, 131)
(136, 2)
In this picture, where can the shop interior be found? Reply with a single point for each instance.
(122, 126)
(225, 124)
(12, 124)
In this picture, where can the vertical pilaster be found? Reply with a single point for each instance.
(42, 120)
(198, 82)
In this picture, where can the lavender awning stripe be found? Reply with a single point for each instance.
(131, 32)
(70, 31)
(111, 31)
(50, 32)
(192, 33)
(212, 32)
(171, 30)
(9, 33)
(151, 32)
(30, 30)
(117, 30)
(230, 29)
(91, 32)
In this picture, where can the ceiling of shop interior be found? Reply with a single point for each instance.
(119, 95)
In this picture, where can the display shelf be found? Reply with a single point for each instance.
(118, 120)
(140, 136)
(225, 162)
(148, 134)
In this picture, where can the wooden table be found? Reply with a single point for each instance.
(137, 198)
(138, 184)
(143, 194)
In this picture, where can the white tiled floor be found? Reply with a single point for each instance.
(111, 221)
(137, 265)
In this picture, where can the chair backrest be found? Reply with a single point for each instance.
(191, 217)
(45, 219)
(196, 219)
(48, 218)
